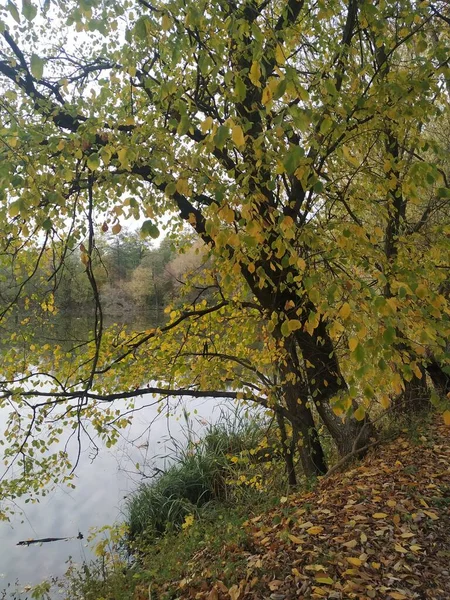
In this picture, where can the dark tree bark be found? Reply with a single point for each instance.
(295, 398)
(288, 450)
(440, 379)
(415, 398)
(325, 380)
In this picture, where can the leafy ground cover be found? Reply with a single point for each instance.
(379, 530)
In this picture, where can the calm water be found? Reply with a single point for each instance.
(101, 487)
(101, 484)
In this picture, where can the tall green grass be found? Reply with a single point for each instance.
(200, 475)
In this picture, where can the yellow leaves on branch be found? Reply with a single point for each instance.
(345, 311)
(360, 413)
(237, 135)
(352, 344)
(182, 187)
(290, 325)
(255, 74)
(207, 125)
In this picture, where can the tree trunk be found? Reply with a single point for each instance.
(325, 381)
(415, 397)
(295, 399)
(440, 379)
(288, 452)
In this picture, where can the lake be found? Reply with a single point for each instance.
(101, 488)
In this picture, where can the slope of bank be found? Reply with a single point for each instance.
(379, 530)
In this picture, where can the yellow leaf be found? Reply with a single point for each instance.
(237, 135)
(446, 417)
(363, 538)
(182, 187)
(421, 291)
(356, 562)
(122, 154)
(166, 22)
(234, 592)
(349, 156)
(379, 515)
(432, 515)
(385, 401)
(351, 543)
(116, 228)
(266, 95)
(314, 530)
(398, 596)
(415, 547)
(295, 539)
(360, 413)
(345, 310)
(294, 324)
(255, 74)
(188, 521)
(207, 124)
(279, 54)
(352, 344)
(326, 580)
(400, 549)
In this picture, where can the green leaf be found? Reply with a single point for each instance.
(359, 353)
(142, 27)
(443, 192)
(389, 335)
(47, 225)
(285, 329)
(37, 66)
(15, 208)
(239, 89)
(221, 136)
(13, 11)
(93, 161)
(149, 229)
(29, 11)
(292, 159)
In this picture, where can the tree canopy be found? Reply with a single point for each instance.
(305, 144)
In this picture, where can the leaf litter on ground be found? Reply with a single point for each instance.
(378, 531)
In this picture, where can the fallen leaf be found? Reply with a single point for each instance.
(326, 580)
(356, 562)
(295, 539)
(432, 515)
(314, 530)
(379, 515)
(275, 584)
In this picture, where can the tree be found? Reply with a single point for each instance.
(286, 134)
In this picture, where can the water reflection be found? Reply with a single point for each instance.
(101, 486)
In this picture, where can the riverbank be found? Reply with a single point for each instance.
(378, 530)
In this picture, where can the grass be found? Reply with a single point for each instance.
(206, 471)
(194, 511)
